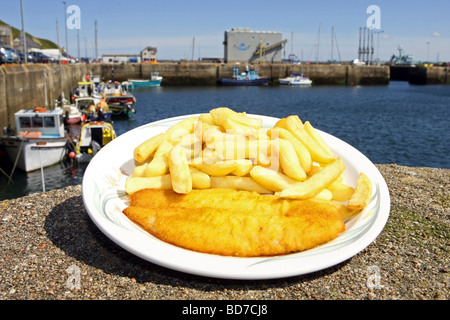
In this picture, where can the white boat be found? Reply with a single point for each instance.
(40, 140)
(296, 79)
(71, 112)
(89, 87)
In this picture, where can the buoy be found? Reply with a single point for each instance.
(40, 109)
(72, 155)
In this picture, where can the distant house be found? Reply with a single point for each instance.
(149, 54)
(31, 45)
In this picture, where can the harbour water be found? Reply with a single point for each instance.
(399, 123)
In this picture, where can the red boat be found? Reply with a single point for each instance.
(118, 98)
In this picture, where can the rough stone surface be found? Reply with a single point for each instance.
(51, 250)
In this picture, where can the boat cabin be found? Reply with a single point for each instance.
(85, 103)
(84, 89)
(100, 133)
(113, 88)
(40, 122)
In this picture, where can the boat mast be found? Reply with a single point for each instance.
(332, 43)
(318, 44)
(193, 48)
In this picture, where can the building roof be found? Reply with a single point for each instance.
(30, 43)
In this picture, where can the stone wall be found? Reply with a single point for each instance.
(33, 85)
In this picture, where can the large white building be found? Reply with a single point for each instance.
(148, 54)
(121, 58)
(246, 45)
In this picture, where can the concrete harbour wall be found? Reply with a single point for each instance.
(28, 86)
(33, 85)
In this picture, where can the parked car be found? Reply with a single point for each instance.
(22, 58)
(39, 57)
(9, 55)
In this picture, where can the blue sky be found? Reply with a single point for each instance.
(422, 28)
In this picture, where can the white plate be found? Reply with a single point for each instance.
(104, 198)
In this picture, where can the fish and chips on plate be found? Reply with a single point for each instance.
(221, 183)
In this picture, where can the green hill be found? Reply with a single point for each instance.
(42, 43)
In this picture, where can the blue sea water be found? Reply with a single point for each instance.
(399, 123)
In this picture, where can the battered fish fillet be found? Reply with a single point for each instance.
(234, 223)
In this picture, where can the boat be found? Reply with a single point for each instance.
(72, 115)
(296, 79)
(71, 112)
(93, 136)
(92, 111)
(40, 140)
(88, 88)
(154, 81)
(247, 78)
(118, 98)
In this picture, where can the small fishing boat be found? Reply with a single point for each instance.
(40, 140)
(91, 111)
(88, 88)
(154, 81)
(93, 136)
(296, 79)
(72, 115)
(119, 100)
(71, 112)
(247, 78)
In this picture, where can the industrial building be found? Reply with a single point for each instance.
(246, 45)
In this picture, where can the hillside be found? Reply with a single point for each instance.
(42, 43)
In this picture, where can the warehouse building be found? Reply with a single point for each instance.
(121, 58)
(246, 45)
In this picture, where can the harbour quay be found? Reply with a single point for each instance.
(33, 85)
(200, 73)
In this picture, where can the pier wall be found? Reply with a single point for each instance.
(32, 85)
(421, 75)
(28, 85)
